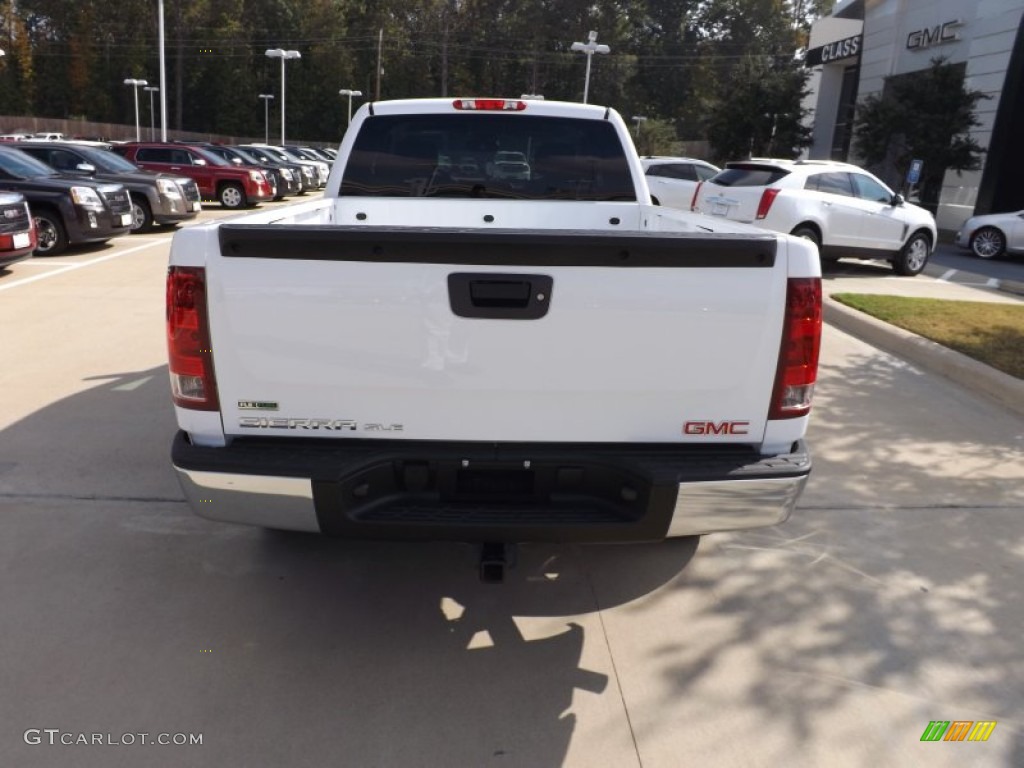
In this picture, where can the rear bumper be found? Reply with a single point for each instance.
(396, 489)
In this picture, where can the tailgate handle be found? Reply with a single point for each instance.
(499, 296)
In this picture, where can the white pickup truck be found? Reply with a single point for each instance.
(430, 351)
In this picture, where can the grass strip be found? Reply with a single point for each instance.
(988, 332)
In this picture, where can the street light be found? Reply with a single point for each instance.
(590, 48)
(639, 119)
(152, 119)
(266, 115)
(136, 84)
(283, 55)
(350, 94)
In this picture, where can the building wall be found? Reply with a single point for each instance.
(898, 38)
(825, 83)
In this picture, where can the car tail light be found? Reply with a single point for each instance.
(798, 356)
(767, 198)
(693, 202)
(190, 355)
(490, 105)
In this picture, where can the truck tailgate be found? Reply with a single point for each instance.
(494, 335)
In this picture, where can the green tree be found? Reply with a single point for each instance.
(762, 116)
(924, 115)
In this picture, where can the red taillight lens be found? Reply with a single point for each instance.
(798, 356)
(693, 202)
(767, 198)
(190, 356)
(490, 105)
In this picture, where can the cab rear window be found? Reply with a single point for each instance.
(748, 176)
(467, 155)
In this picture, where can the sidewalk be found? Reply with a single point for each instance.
(1004, 389)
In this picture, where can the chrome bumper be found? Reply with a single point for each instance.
(699, 506)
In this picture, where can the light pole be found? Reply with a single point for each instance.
(590, 48)
(266, 115)
(350, 94)
(136, 84)
(152, 118)
(638, 119)
(163, 71)
(283, 55)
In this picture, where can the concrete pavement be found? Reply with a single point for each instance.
(1006, 390)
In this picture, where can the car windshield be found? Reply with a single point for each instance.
(22, 166)
(463, 155)
(227, 154)
(108, 161)
(211, 157)
(275, 153)
(246, 156)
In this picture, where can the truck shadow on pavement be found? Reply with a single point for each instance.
(283, 649)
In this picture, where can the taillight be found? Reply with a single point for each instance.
(490, 105)
(767, 198)
(190, 356)
(693, 202)
(798, 355)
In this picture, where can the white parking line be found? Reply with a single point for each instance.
(79, 265)
(947, 276)
(40, 263)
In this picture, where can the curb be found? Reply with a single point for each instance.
(1002, 388)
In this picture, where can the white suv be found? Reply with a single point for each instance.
(842, 208)
(672, 180)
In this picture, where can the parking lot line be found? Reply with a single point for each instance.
(79, 265)
(38, 263)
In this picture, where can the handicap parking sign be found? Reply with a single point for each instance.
(914, 174)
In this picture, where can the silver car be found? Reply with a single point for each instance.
(992, 235)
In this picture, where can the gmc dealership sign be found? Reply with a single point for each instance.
(943, 33)
(840, 49)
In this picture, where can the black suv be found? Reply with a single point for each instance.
(66, 210)
(157, 198)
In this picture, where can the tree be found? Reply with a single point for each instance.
(922, 115)
(761, 116)
(656, 137)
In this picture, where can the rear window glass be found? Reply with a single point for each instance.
(684, 171)
(748, 176)
(516, 157)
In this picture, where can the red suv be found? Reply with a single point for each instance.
(231, 185)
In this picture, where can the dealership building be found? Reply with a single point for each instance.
(852, 52)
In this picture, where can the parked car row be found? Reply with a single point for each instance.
(155, 198)
(65, 209)
(84, 192)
